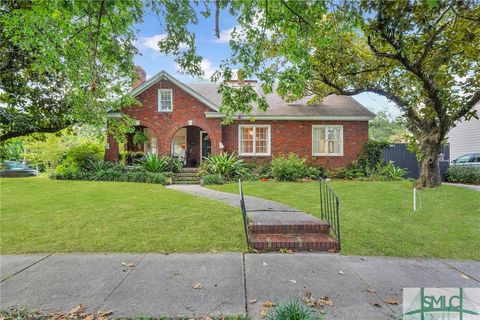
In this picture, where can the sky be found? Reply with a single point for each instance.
(213, 50)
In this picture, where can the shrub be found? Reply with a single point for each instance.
(139, 138)
(314, 172)
(176, 164)
(289, 168)
(154, 163)
(133, 157)
(292, 310)
(391, 172)
(228, 166)
(212, 179)
(463, 174)
(371, 157)
(80, 156)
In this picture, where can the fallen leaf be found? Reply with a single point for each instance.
(104, 313)
(255, 250)
(340, 272)
(375, 303)
(268, 304)
(77, 310)
(128, 264)
(263, 313)
(325, 301)
(252, 301)
(308, 294)
(332, 250)
(198, 286)
(264, 264)
(363, 259)
(292, 281)
(392, 301)
(464, 276)
(177, 273)
(371, 290)
(207, 318)
(89, 317)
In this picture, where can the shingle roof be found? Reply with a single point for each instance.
(333, 105)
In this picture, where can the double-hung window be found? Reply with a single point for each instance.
(327, 140)
(164, 100)
(254, 140)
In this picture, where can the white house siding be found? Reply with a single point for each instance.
(465, 137)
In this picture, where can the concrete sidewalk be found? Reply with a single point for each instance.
(163, 285)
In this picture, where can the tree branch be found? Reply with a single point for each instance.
(469, 105)
(15, 134)
(296, 13)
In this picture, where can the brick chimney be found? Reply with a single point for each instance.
(141, 76)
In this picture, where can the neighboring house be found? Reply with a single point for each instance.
(174, 115)
(465, 137)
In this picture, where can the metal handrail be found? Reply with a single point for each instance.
(329, 208)
(244, 211)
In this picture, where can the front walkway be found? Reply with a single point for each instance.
(465, 186)
(194, 285)
(257, 209)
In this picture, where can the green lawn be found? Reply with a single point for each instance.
(43, 215)
(376, 218)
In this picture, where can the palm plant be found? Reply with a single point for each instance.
(223, 164)
(154, 163)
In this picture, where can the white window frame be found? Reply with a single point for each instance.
(326, 126)
(160, 91)
(254, 127)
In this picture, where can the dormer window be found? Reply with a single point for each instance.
(165, 100)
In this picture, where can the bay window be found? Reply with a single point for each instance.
(254, 140)
(327, 140)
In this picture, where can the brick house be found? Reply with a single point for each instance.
(174, 115)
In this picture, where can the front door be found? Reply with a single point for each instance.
(205, 145)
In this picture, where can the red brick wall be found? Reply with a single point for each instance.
(286, 136)
(296, 136)
(165, 124)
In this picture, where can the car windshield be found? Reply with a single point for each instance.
(14, 165)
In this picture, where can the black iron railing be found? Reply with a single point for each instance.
(329, 208)
(244, 211)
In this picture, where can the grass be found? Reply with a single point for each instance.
(376, 218)
(43, 215)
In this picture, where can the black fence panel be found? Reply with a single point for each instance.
(401, 157)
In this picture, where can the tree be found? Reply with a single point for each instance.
(423, 56)
(384, 128)
(64, 62)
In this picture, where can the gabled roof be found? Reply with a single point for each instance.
(333, 107)
(163, 75)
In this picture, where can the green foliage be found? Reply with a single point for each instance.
(139, 138)
(289, 168)
(463, 174)
(210, 179)
(372, 156)
(107, 171)
(66, 62)
(11, 150)
(293, 310)
(81, 155)
(133, 157)
(384, 128)
(228, 166)
(154, 163)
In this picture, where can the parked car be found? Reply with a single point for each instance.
(471, 160)
(16, 169)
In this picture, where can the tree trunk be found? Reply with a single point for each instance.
(430, 148)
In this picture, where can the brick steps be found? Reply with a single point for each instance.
(186, 176)
(289, 227)
(296, 235)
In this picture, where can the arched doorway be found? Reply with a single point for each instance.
(191, 144)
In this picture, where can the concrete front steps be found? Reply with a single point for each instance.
(186, 176)
(295, 235)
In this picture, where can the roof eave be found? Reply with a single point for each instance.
(217, 115)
